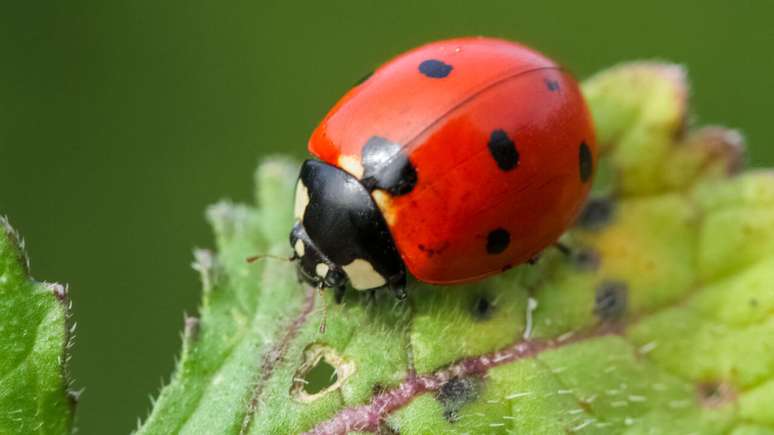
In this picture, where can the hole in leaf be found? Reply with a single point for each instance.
(320, 377)
(321, 371)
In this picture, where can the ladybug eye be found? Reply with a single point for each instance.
(335, 278)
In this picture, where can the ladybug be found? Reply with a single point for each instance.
(454, 161)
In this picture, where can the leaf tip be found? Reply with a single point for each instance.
(204, 263)
(17, 244)
(61, 292)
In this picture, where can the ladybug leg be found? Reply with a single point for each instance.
(338, 294)
(399, 291)
(324, 321)
(564, 249)
(535, 258)
(397, 285)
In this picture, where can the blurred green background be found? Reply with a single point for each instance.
(121, 121)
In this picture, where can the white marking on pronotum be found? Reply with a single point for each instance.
(299, 247)
(362, 275)
(321, 269)
(383, 200)
(302, 200)
(352, 165)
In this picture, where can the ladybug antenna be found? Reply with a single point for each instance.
(255, 258)
(324, 320)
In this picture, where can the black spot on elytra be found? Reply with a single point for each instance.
(497, 241)
(611, 300)
(552, 85)
(503, 150)
(597, 213)
(435, 68)
(364, 78)
(482, 308)
(586, 162)
(455, 394)
(387, 167)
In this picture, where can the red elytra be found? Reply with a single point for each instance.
(501, 143)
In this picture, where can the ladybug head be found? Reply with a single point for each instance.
(312, 266)
(340, 235)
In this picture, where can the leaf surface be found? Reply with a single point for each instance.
(34, 337)
(661, 320)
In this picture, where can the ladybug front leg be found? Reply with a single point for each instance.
(399, 290)
(397, 284)
(338, 293)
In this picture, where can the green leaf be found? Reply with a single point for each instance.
(34, 339)
(661, 320)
